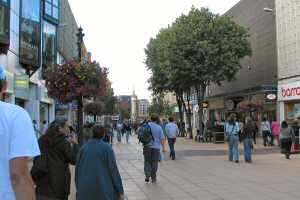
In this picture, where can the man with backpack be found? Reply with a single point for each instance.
(152, 137)
(18, 145)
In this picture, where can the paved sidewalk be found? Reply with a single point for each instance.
(203, 172)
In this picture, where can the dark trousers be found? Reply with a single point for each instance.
(266, 135)
(171, 142)
(151, 158)
(286, 145)
(41, 197)
(254, 137)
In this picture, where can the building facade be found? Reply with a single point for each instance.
(143, 105)
(256, 82)
(288, 40)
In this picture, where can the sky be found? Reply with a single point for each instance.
(117, 32)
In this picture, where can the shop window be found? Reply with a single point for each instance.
(30, 35)
(49, 45)
(4, 26)
(51, 10)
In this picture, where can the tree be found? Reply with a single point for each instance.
(74, 81)
(199, 49)
(160, 107)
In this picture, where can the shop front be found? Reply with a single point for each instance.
(289, 105)
(9, 92)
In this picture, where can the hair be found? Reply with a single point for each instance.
(284, 124)
(231, 119)
(44, 122)
(264, 119)
(171, 119)
(98, 132)
(1, 85)
(54, 126)
(155, 118)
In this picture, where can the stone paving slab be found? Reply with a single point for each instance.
(205, 176)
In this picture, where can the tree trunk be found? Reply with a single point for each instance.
(188, 116)
(200, 98)
(179, 104)
(80, 120)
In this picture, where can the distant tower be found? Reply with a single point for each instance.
(134, 106)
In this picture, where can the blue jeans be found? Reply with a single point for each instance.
(171, 142)
(233, 150)
(151, 158)
(119, 136)
(127, 136)
(248, 149)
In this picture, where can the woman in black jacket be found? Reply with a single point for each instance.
(58, 151)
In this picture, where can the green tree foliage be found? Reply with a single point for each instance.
(199, 49)
(160, 107)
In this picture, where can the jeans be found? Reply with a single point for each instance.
(127, 136)
(266, 135)
(233, 150)
(119, 136)
(248, 149)
(286, 145)
(151, 158)
(171, 142)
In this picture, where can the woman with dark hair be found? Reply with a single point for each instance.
(97, 175)
(286, 138)
(247, 138)
(58, 151)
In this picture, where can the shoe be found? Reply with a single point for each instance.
(153, 180)
(236, 161)
(147, 179)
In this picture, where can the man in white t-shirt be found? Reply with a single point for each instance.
(17, 145)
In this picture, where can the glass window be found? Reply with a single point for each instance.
(30, 32)
(49, 44)
(52, 9)
(2, 20)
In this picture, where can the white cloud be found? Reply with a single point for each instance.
(116, 32)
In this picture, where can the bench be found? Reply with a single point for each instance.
(218, 137)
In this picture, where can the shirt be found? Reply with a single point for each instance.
(17, 139)
(232, 129)
(172, 130)
(158, 135)
(265, 126)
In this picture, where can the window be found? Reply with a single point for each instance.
(49, 45)
(51, 9)
(4, 25)
(30, 33)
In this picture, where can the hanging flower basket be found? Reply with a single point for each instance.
(250, 106)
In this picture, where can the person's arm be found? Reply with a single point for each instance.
(70, 150)
(21, 181)
(115, 174)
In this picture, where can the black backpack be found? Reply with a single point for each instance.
(145, 134)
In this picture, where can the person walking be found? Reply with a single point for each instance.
(172, 131)
(266, 131)
(43, 127)
(232, 137)
(151, 151)
(119, 129)
(36, 128)
(59, 151)
(96, 174)
(247, 137)
(286, 139)
(127, 128)
(275, 126)
(17, 148)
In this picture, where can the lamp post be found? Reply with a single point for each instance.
(80, 36)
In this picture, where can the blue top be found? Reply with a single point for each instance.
(172, 130)
(2, 73)
(231, 129)
(158, 135)
(97, 175)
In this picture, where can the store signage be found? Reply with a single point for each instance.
(22, 82)
(289, 91)
(270, 97)
(205, 104)
(229, 104)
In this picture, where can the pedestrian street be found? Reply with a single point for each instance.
(201, 171)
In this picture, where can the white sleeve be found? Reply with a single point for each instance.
(23, 142)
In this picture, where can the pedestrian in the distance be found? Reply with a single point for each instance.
(119, 130)
(232, 137)
(171, 131)
(127, 128)
(275, 126)
(286, 139)
(97, 175)
(265, 128)
(247, 137)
